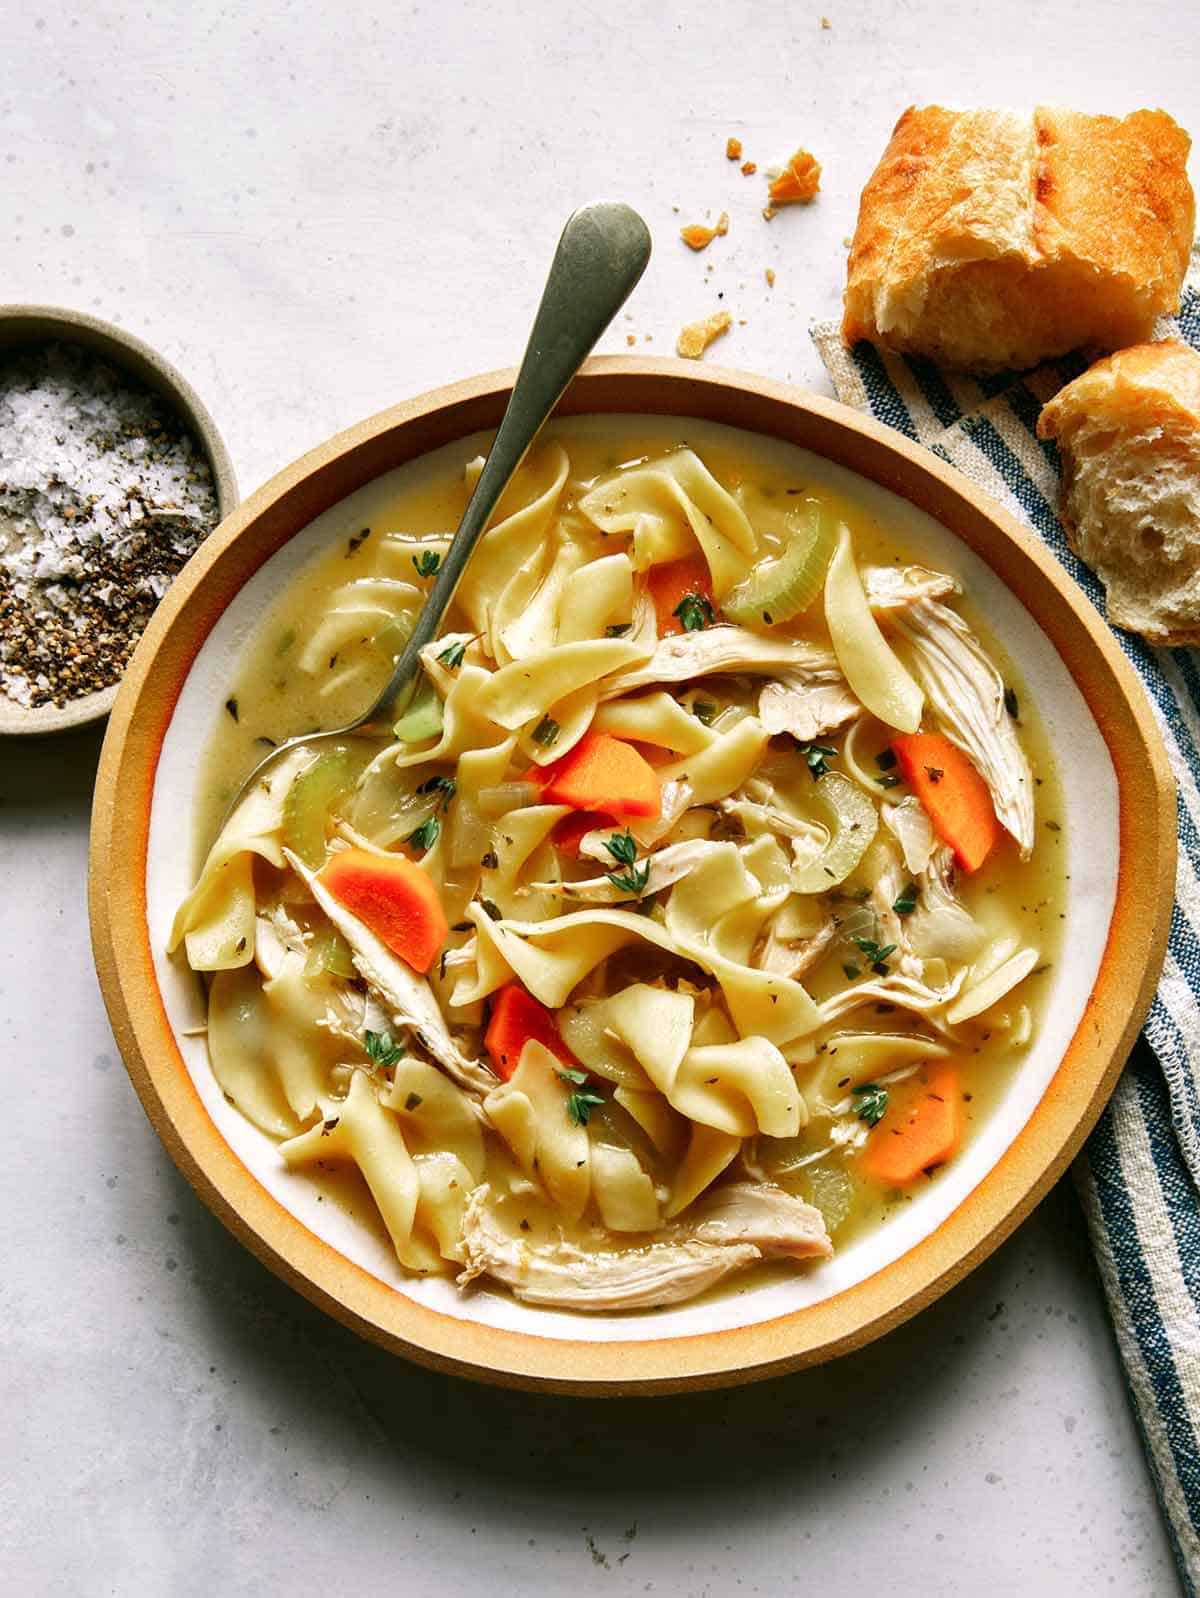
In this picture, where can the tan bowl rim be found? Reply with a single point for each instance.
(1068, 1109)
(77, 327)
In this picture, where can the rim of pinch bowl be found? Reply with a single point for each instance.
(851, 1316)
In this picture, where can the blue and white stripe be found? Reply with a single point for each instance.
(1140, 1174)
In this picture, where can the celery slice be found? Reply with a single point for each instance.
(329, 952)
(423, 718)
(787, 586)
(854, 821)
(311, 797)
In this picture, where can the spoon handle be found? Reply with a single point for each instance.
(600, 257)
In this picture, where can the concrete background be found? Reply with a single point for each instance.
(316, 210)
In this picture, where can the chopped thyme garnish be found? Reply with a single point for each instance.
(413, 1101)
(570, 1074)
(1011, 703)
(907, 902)
(492, 909)
(453, 654)
(490, 861)
(618, 629)
(872, 1102)
(546, 732)
(695, 613)
(888, 781)
(446, 786)
(885, 759)
(356, 542)
(852, 971)
(704, 710)
(580, 1105)
(426, 835)
(876, 955)
(427, 563)
(816, 757)
(382, 1049)
(231, 705)
(633, 879)
(934, 773)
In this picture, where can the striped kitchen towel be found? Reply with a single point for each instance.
(1139, 1176)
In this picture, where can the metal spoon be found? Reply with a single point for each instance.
(600, 257)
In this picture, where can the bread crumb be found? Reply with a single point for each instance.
(695, 338)
(631, 338)
(749, 168)
(798, 183)
(733, 149)
(770, 276)
(698, 237)
(847, 242)
(768, 212)
(825, 22)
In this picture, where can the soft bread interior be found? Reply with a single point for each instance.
(1132, 497)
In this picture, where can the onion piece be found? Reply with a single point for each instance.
(869, 663)
(981, 996)
(854, 820)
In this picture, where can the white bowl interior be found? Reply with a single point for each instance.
(1090, 823)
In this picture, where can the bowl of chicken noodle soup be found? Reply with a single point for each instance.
(733, 938)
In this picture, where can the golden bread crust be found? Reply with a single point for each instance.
(989, 239)
(1156, 384)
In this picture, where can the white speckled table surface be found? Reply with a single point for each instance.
(315, 210)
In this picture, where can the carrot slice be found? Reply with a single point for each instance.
(393, 897)
(953, 794)
(570, 832)
(671, 583)
(516, 1018)
(602, 773)
(920, 1129)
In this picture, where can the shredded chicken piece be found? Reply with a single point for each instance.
(406, 997)
(275, 933)
(966, 693)
(695, 338)
(754, 812)
(791, 704)
(560, 1275)
(891, 927)
(940, 927)
(718, 650)
(728, 1229)
(902, 991)
(893, 587)
(792, 957)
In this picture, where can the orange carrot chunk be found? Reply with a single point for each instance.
(516, 1018)
(921, 1128)
(605, 774)
(953, 794)
(394, 898)
(570, 832)
(671, 584)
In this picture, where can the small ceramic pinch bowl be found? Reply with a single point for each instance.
(1118, 830)
(25, 326)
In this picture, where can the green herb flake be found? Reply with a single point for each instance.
(426, 835)
(871, 1102)
(618, 629)
(907, 902)
(889, 782)
(546, 732)
(1011, 703)
(885, 759)
(231, 705)
(852, 971)
(570, 1074)
(413, 1101)
(695, 613)
(580, 1106)
(633, 879)
(816, 757)
(453, 655)
(490, 861)
(446, 786)
(704, 710)
(427, 563)
(877, 955)
(934, 773)
(381, 1049)
(492, 909)
(356, 542)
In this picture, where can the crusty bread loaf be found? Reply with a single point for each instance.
(1129, 433)
(988, 239)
